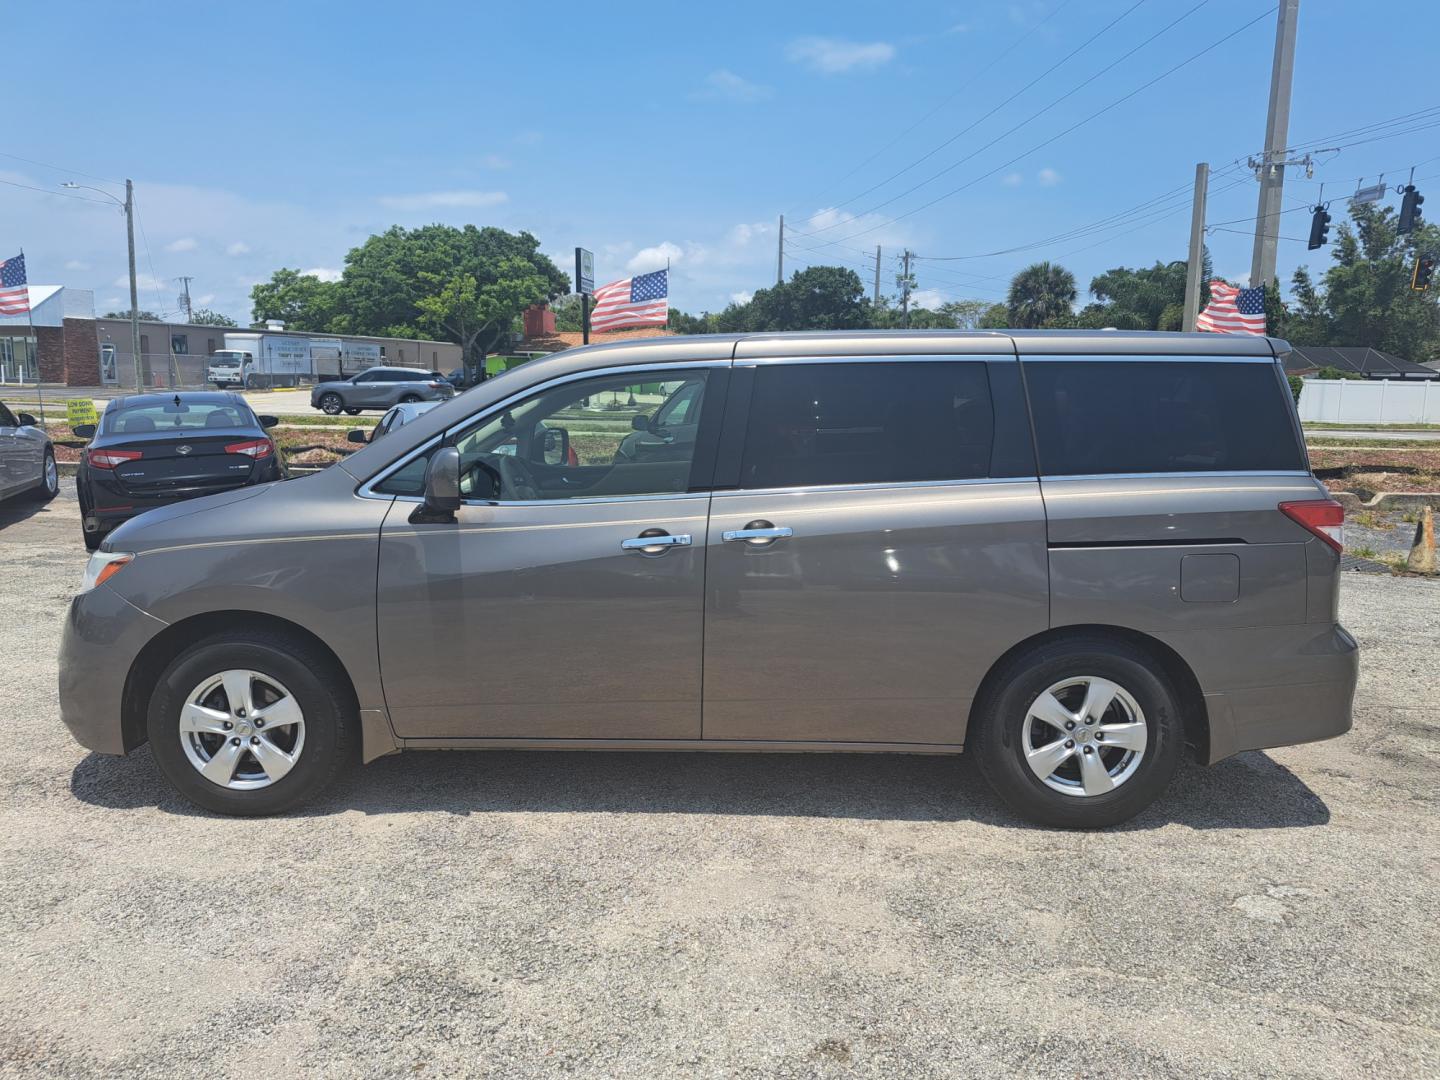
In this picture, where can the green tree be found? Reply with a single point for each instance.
(301, 301)
(467, 285)
(682, 323)
(458, 308)
(1365, 298)
(1143, 299)
(206, 317)
(1040, 294)
(995, 317)
(148, 316)
(816, 298)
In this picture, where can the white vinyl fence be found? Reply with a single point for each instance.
(1370, 401)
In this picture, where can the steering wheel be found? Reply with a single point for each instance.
(516, 478)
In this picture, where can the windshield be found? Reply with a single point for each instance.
(165, 415)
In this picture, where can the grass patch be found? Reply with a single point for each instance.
(1364, 551)
(1375, 444)
(1325, 425)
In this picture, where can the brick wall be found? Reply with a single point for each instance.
(82, 353)
(51, 341)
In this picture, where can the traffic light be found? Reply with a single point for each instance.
(1410, 201)
(1319, 228)
(1424, 271)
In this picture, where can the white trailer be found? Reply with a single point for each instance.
(265, 359)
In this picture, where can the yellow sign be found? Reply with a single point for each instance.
(80, 411)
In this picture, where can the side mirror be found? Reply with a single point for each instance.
(442, 488)
(555, 446)
(361, 437)
(268, 421)
(640, 422)
(26, 420)
(84, 431)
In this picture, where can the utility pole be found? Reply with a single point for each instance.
(905, 284)
(877, 277)
(1271, 167)
(185, 296)
(1196, 265)
(780, 255)
(134, 289)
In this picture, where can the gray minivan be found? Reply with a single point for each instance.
(1079, 555)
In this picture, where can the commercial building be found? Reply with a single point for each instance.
(70, 346)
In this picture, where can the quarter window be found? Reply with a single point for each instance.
(1095, 417)
(864, 423)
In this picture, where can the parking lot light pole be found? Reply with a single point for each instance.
(129, 207)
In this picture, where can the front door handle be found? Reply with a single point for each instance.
(656, 542)
(757, 534)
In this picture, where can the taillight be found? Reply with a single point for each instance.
(256, 448)
(1323, 517)
(108, 459)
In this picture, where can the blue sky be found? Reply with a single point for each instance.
(262, 135)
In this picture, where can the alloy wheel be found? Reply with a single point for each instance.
(52, 474)
(1084, 736)
(242, 730)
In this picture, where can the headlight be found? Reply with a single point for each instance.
(104, 565)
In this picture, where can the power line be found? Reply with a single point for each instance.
(57, 194)
(62, 169)
(1069, 93)
(976, 123)
(959, 90)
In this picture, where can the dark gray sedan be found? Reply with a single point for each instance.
(27, 460)
(379, 388)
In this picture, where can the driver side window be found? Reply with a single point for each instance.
(601, 437)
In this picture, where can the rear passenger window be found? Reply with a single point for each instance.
(867, 423)
(1163, 416)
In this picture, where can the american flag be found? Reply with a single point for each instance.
(643, 300)
(14, 293)
(1233, 310)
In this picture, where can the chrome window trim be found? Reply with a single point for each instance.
(1210, 474)
(878, 358)
(973, 481)
(367, 489)
(1142, 358)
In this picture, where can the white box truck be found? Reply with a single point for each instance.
(260, 359)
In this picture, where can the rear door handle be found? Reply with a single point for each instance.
(756, 534)
(656, 544)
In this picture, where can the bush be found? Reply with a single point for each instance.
(1296, 385)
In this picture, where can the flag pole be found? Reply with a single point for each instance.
(667, 294)
(30, 320)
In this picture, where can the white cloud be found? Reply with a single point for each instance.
(1047, 177)
(959, 28)
(432, 200)
(239, 247)
(742, 234)
(185, 243)
(76, 264)
(926, 298)
(529, 138)
(144, 283)
(724, 85)
(1013, 179)
(831, 56)
(497, 161)
(203, 300)
(654, 258)
(741, 297)
(324, 273)
(112, 304)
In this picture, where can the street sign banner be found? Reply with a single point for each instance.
(584, 272)
(80, 411)
(1373, 193)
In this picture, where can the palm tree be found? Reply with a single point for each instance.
(1039, 293)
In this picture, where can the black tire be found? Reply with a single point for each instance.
(322, 692)
(92, 540)
(352, 412)
(331, 404)
(998, 722)
(43, 492)
(409, 399)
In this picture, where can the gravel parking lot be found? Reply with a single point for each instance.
(512, 914)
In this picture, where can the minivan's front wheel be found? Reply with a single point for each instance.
(251, 723)
(1079, 733)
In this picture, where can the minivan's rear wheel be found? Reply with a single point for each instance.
(1079, 733)
(251, 723)
(331, 404)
